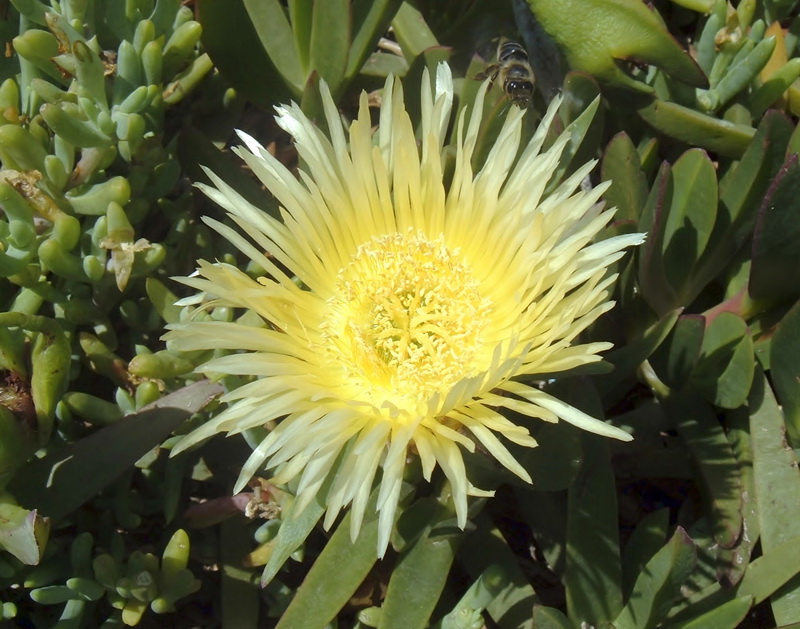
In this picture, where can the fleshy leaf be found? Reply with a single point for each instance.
(699, 427)
(197, 151)
(62, 481)
(775, 270)
(626, 359)
(728, 615)
(647, 539)
(777, 481)
(370, 19)
(330, 41)
(609, 31)
(698, 129)
(770, 571)
(785, 370)
(580, 109)
(659, 584)
(653, 283)
(733, 563)
(232, 39)
(677, 356)
(691, 217)
(621, 165)
(593, 578)
(294, 530)
(743, 189)
(724, 372)
(420, 576)
(486, 548)
(320, 597)
(239, 599)
(23, 533)
(550, 618)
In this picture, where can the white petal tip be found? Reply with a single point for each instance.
(253, 145)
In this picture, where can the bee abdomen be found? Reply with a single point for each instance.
(511, 51)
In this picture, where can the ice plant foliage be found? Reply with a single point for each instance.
(421, 312)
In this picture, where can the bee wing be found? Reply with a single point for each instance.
(489, 73)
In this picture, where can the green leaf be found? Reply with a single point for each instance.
(699, 427)
(545, 514)
(335, 575)
(330, 42)
(238, 598)
(418, 579)
(301, 16)
(777, 9)
(231, 39)
(628, 358)
(777, 481)
(62, 481)
(89, 70)
(163, 300)
(32, 10)
(580, 91)
(738, 75)
(371, 19)
(677, 356)
(417, 520)
(691, 217)
(412, 33)
(653, 283)
(742, 191)
(704, 573)
(382, 64)
(725, 616)
(659, 584)
(770, 571)
(487, 548)
(579, 111)
(593, 577)
(555, 462)
(23, 533)
(785, 370)
(17, 441)
(20, 150)
(621, 165)
(724, 372)
(595, 34)
(196, 150)
(82, 133)
(697, 129)
(311, 101)
(770, 92)
(294, 530)
(775, 270)
(490, 584)
(732, 563)
(550, 618)
(646, 540)
(277, 39)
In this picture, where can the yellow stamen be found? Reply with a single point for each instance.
(409, 315)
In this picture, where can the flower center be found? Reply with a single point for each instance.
(410, 315)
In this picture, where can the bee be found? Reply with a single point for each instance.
(514, 70)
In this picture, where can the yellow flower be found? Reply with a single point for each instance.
(422, 311)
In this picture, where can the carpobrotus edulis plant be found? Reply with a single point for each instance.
(418, 312)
